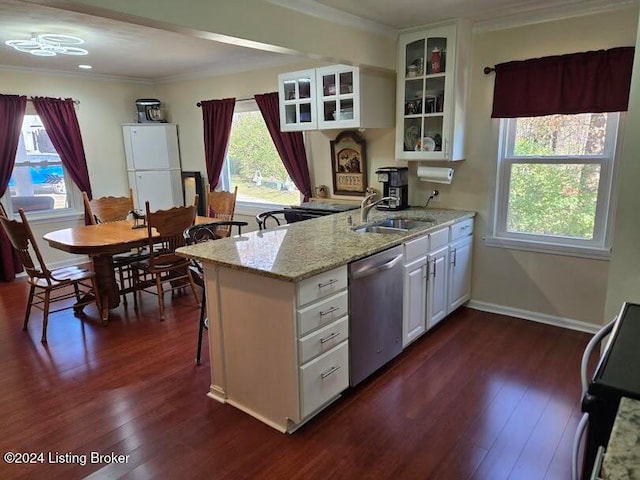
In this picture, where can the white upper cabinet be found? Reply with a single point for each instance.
(297, 95)
(335, 97)
(431, 93)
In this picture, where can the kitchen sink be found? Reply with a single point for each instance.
(394, 225)
(379, 229)
(403, 223)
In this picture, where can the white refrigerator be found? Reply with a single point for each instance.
(153, 165)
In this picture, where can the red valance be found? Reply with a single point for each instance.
(587, 82)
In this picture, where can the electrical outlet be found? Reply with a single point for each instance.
(436, 196)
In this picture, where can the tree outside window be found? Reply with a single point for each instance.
(253, 163)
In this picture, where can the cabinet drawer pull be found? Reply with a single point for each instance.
(326, 339)
(329, 372)
(330, 282)
(327, 312)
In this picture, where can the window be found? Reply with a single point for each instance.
(38, 182)
(253, 164)
(555, 176)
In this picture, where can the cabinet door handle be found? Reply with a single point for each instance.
(326, 284)
(454, 257)
(327, 312)
(329, 372)
(326, 339)
(435, 266)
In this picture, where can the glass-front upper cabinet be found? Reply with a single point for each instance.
(297, 93)
(338, 96)
(430, 96)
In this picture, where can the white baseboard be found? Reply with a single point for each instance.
(534, 316)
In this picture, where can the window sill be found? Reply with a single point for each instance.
(43, 218)
(595, 253)
(252, 209)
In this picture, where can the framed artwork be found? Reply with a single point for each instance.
(349, 164)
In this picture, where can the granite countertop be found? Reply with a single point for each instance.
(622, 460)
(303, 249)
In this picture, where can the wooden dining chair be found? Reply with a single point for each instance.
(274, 218)
(48, 286)
(108, 209)
(205, 232)
(163, 265)
(222, 205)
(114, 209)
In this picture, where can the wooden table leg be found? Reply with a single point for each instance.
(107, 285)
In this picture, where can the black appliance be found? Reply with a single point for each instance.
(395, 183)
(616, 375)
(149, 110)
(307, 210)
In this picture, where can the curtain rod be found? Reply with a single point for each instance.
(75, 102)
(199, 104)
(488, 70)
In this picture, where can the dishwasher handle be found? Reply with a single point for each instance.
(365, 272)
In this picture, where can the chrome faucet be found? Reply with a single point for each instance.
(366, 205)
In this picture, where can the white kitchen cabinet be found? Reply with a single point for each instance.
(279, 350)
(335, 97)
(437, 270)
(415, 289)
(431, 92)
(459, 290)
(297, 99)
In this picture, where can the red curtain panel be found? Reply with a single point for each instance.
(587, 82)
(290, 145)
(216, 117)
(12, 109)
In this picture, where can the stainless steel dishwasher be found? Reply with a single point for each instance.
(375, 312)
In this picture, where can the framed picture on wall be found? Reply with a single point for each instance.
(349, 164)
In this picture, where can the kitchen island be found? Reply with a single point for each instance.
(278, 311)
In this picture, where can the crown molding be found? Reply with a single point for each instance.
(229, 68)
(76, 75)
(333, 15)
(518, 16)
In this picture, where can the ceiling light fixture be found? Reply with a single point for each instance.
(86, 67)
(49, 45)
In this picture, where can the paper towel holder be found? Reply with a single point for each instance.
(435, 174)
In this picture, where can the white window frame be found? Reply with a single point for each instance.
(74, 197)
(244, 207)
(600, 246)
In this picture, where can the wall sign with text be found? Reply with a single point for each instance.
(348, 164)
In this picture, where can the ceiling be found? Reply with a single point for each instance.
(119, 49)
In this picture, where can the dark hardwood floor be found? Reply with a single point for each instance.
(482, 397)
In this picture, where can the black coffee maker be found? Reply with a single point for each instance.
(395, 183)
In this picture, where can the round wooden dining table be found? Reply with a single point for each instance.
(101, 242)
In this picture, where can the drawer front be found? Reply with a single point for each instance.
(322, 285)
(438, 239)
(322, 313)
(462, 229)
(323, 378)
(416, 248)
(323, 340)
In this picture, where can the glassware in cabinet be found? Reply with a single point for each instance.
(426, 92)
(338, 105)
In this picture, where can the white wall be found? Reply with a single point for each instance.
(559, 286)
(624, 272)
